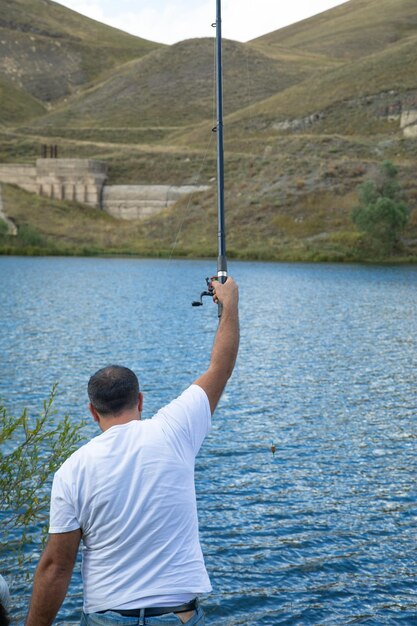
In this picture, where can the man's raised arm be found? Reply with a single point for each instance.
(226, 343)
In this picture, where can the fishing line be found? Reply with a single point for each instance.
(213, 114)
(191, 197)
(248, 85)
(249, 91)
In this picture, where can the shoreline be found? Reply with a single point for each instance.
(125, 254)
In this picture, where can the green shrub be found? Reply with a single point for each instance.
(3, 228)
(31, 450)
(30, 236)
(381, 214)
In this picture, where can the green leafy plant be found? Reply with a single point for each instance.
(31, 450)
(3, 228)
(30, 236)
(381, 214)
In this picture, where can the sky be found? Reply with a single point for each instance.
(169, 21)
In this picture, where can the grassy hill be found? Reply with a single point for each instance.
(174, 87)
(352, 30)
(17, 105)
(51, 51)
(311, 111)
(388, 76)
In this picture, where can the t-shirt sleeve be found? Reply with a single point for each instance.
(189, 415)
(62, 517)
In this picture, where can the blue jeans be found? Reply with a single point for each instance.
(111, 618)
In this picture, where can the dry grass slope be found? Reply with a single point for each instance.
(352, 30)
(50, 51)
(175, 87)
(17, 105)
(392, 69)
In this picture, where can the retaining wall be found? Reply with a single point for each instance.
(63, 179)
(130, 202)
(71, 179)
(83, 180)
(21, 175)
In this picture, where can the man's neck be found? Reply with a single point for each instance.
(126, 416)
(107, 422)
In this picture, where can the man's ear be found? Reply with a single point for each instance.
(94, 413)
(140, 402)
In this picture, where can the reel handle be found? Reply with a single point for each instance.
(209, 292)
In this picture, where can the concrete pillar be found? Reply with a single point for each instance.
(57, 187)
(79, 193)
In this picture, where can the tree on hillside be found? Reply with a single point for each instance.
(381, 214)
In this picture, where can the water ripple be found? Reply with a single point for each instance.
(323, 531)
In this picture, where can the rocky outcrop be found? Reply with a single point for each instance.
(298, 124)
(11, 226)
(409, 123)
(391, 106)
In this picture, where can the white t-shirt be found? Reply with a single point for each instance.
(4, 593)
(131, 491)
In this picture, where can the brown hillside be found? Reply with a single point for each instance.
(357, 95)
(17, 105)
(175, 87)
(49, 50)
(354, 29)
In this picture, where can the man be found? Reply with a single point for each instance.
(129, 496)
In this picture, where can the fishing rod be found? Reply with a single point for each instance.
(218, 129)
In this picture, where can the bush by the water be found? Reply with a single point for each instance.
(31, 450)
(381, 214)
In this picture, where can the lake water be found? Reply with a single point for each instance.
(322, 532)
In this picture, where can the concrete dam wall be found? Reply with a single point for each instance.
(23, 176)
(62, 179)
(84, 180)
(129, 202)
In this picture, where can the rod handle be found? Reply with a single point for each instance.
(221, 277)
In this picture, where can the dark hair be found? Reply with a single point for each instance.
(4, 620)
(113, 389)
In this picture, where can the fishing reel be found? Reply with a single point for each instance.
(208, 292)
